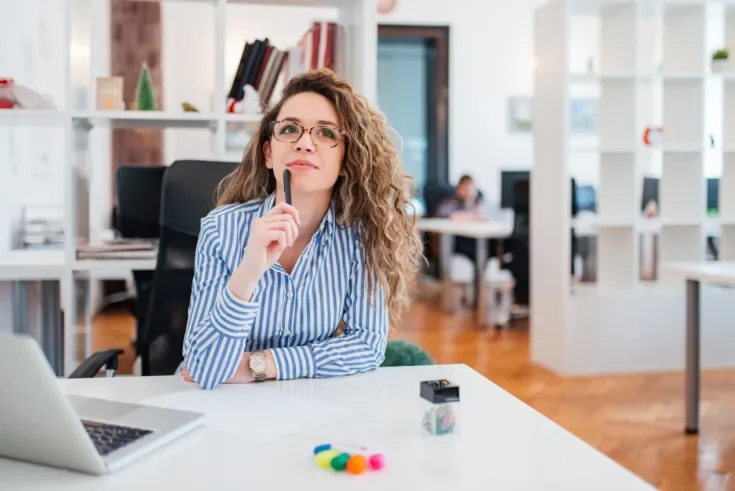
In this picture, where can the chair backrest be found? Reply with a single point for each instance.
(189, 194)
(522, 208)
(434, 194)
(139, 200)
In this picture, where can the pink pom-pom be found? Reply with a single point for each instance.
(377, 461)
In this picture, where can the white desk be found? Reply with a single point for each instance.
(715, 272)
(480, 230)
(504, 444)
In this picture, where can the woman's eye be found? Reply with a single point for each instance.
(289, 128)
(327, 133)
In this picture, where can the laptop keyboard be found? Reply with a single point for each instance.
(108, 438)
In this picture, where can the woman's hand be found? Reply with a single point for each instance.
(270, 235)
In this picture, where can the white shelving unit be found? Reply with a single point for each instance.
(650, 67)
(85, 127)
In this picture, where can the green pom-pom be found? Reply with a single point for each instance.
(340, 461)
(401, 353)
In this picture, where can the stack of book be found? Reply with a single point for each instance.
(261, 64)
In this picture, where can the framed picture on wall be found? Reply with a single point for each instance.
(519, 114)
(582, 115)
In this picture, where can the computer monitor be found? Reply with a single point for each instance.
(650, 191)
(586, 198)
(713, 195)
(508, 179)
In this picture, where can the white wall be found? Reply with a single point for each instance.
(491, 59)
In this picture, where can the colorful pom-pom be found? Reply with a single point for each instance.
(356, 464)
(324, 459)
(340, 461)
(377, 461)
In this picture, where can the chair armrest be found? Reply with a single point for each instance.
(92, 365)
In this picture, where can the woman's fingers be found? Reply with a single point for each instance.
(285, 223)
(278, 236)
(285, 208)
(186, 375)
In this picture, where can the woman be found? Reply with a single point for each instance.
(274, 282)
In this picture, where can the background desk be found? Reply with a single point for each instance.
(715, 272)
(504, 444)
(481, 230)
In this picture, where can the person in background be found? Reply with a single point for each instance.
(309, 289)
(465, 205)
(466, 202)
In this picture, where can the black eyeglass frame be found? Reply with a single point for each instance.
(341, 133)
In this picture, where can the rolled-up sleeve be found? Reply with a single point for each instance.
(219, 323)
(362, 346)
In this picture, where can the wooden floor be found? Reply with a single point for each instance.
(636, 420)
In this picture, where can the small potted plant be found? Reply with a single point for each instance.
(719, 59)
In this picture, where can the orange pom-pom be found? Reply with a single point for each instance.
(356, 464)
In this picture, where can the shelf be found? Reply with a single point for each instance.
(149, 119)
(598, 77)
(32, 264)
(284, 3)
(243, 118)
(31, 117)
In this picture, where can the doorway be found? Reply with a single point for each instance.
(413, 92)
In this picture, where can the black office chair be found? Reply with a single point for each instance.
(517, 248)
(189, 194)
(137, 217)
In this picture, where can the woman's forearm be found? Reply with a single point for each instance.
(216, 340)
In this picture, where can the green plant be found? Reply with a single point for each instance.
(721, 54)
(145, 98)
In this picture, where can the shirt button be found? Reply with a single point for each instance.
(289, 295)
(287, 332)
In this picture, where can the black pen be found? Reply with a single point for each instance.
(287, 185)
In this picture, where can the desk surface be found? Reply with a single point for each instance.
(719, 272)
(481, 229)
(504, 444)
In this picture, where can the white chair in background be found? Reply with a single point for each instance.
(499, 285)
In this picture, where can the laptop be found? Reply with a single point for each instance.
(39, 424)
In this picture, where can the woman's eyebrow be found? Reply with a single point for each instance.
(320, 122)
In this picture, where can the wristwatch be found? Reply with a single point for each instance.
(258, 365)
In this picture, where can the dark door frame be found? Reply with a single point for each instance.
(437, 93)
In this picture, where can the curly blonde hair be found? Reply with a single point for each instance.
(373, 191)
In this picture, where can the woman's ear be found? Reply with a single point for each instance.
(267, 154)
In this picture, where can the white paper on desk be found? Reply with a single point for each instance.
(253, 413)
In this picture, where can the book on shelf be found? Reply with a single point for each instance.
(261, 64)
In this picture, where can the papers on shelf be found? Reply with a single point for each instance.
(118, 249)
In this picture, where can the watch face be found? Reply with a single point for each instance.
(258, 364)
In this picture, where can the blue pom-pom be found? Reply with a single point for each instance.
(322, 448)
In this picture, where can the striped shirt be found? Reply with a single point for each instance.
(295, 315)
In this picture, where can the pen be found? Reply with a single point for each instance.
(287, 185)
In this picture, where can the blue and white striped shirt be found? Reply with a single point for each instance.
(294, 315)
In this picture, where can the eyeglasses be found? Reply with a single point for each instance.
(322, 136)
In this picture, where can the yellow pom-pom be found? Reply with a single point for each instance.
(324, 459)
